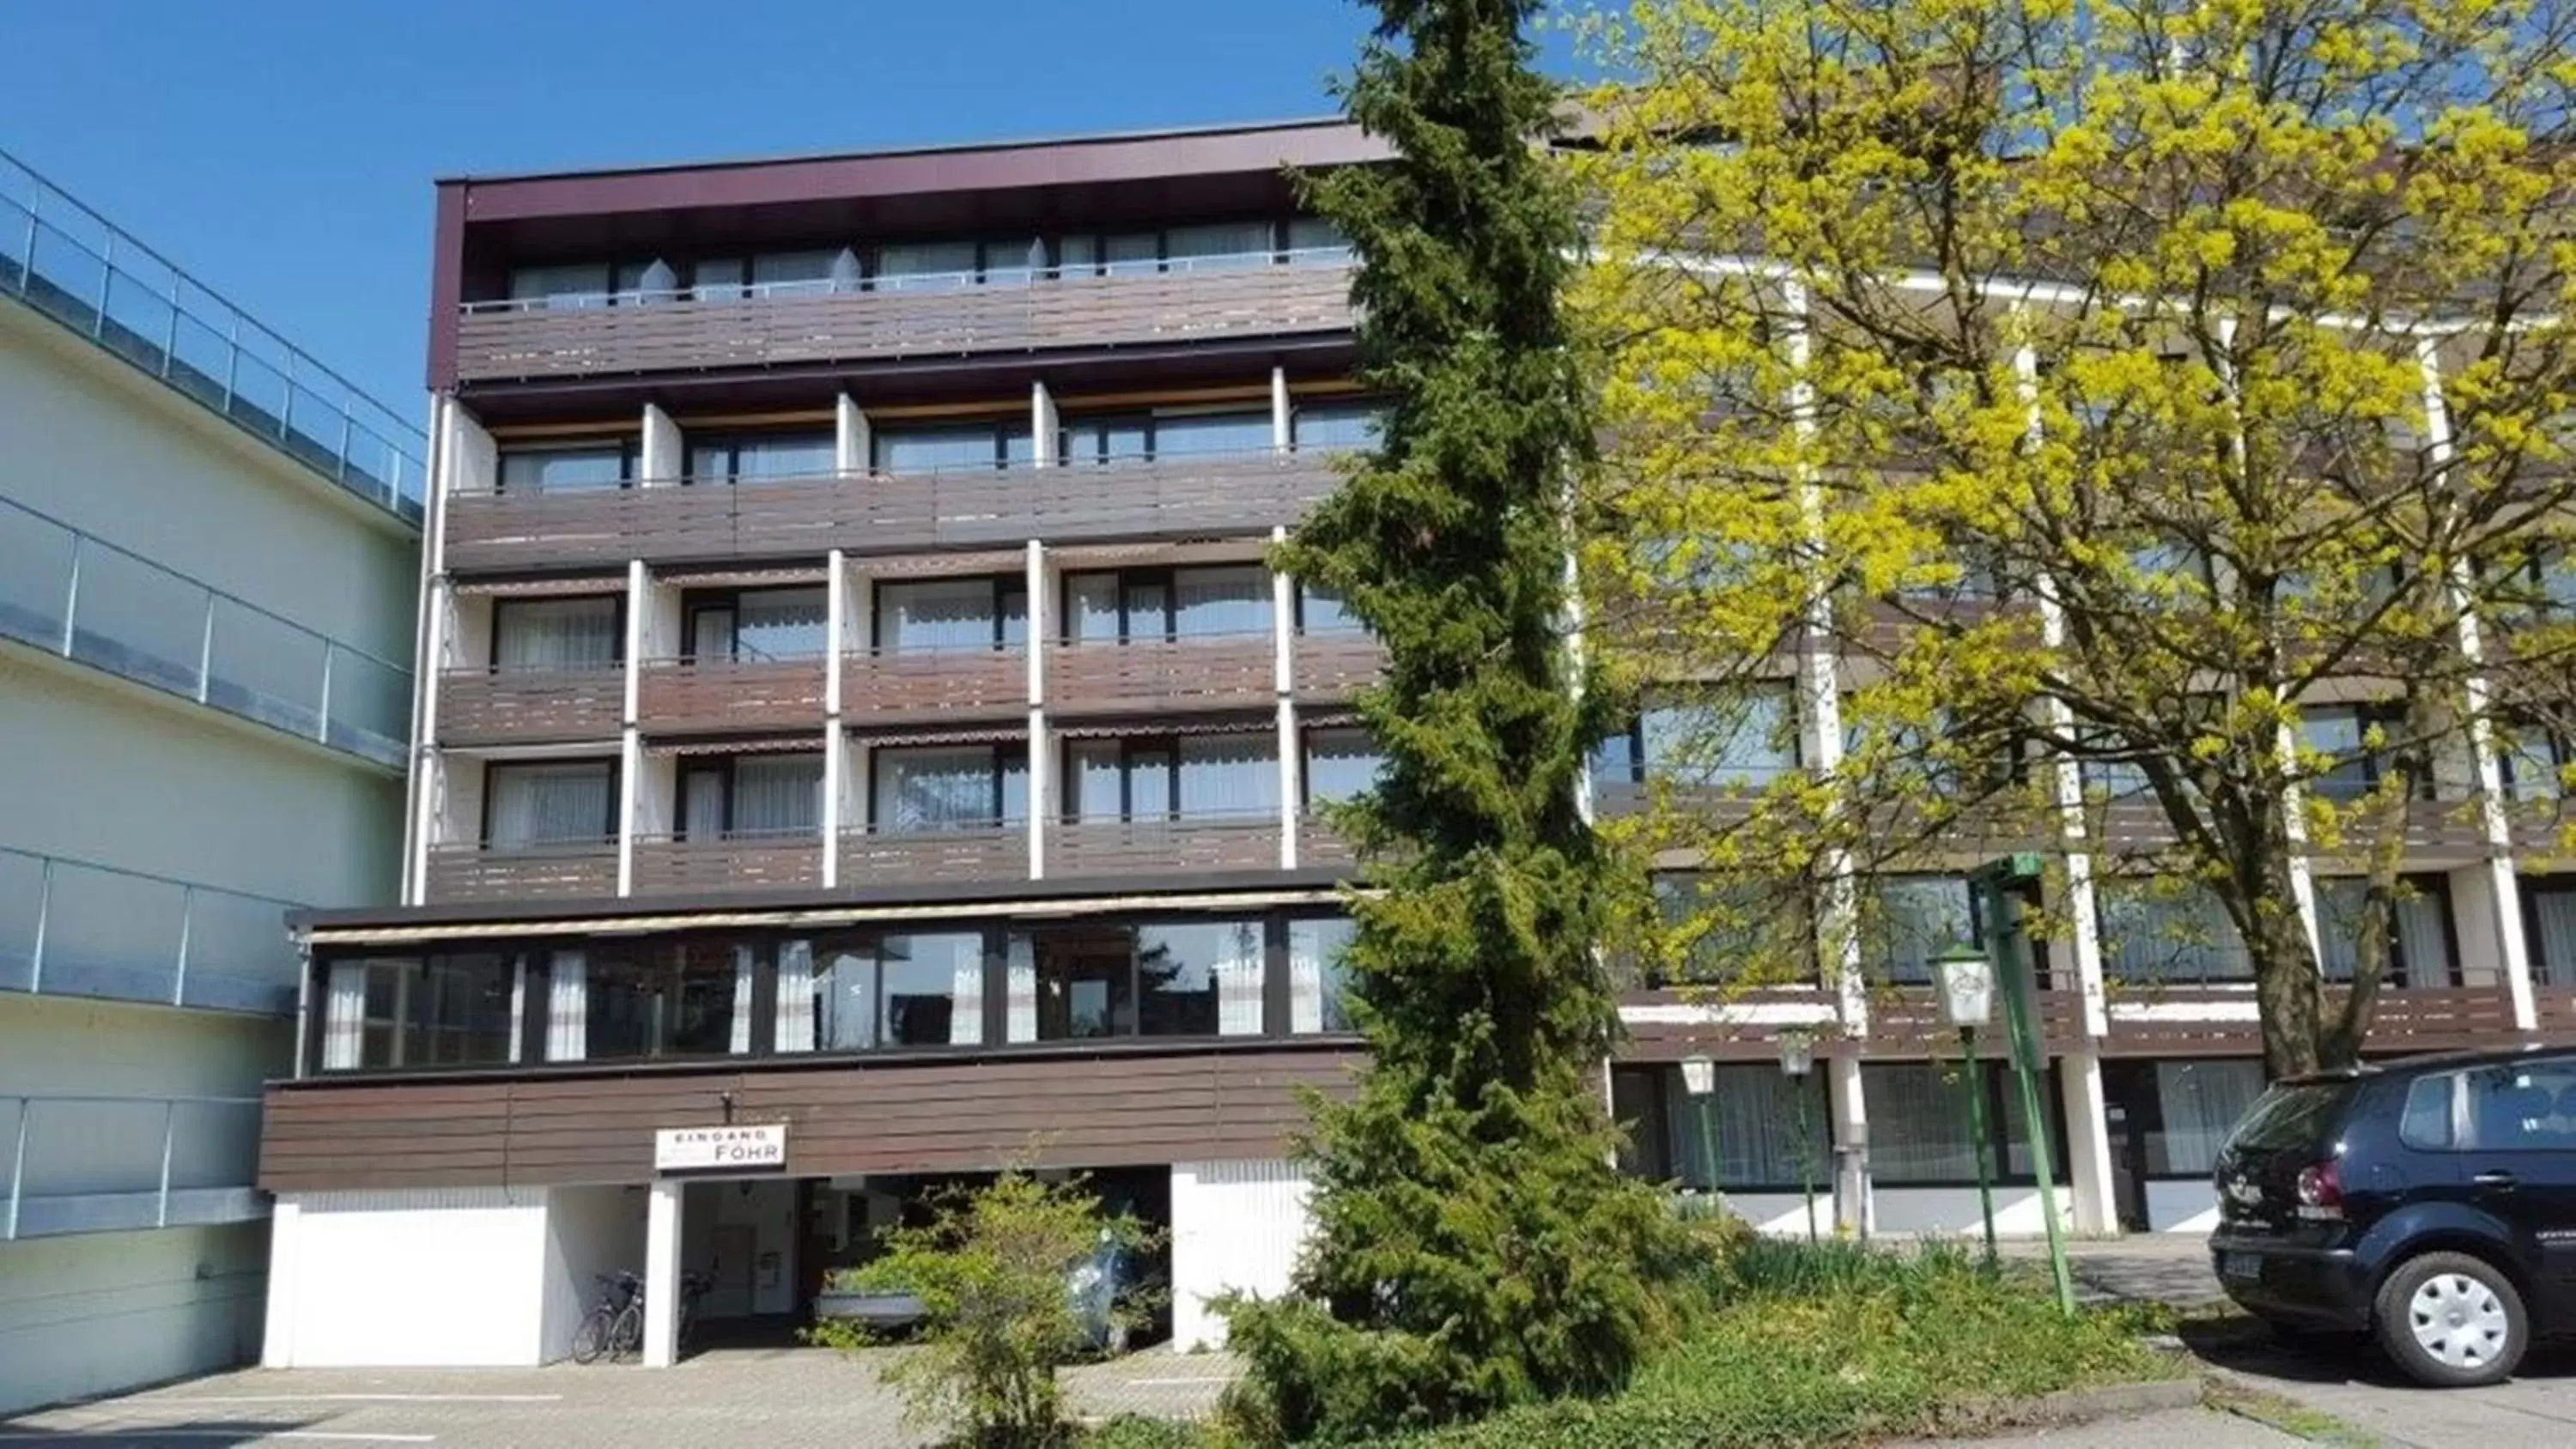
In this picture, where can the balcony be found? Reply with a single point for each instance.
(1192, 496)
(1160, 676)
(989, 851)
(1321, 846)
(715, 864)
(693, 696)
(111, 1164)
(530, 706)
(1080, 849)
(83, 599)
(1202, 300)
(2203, 1020)
(569, 870)
(2540, 830)
(885, 687)
(1328, 668)
(72, 928)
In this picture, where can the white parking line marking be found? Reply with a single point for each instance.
(155, 1401)
(1167, 1383)
(243, 1434)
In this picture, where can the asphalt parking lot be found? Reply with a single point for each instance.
(774, 1398)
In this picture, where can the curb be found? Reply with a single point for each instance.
(2081, 1406)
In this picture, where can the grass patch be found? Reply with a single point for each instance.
(2290, 1417)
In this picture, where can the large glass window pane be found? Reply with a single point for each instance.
(2523, 1107)
(751, 459)
(1232, 600)
(1229, 775)
(445, 1010)
(925, 266)
(935, 788)
(778, 794)
(1917, 917)
(937, 614)
(781, 624)
(1334, 426)
(1091, 608)
(1744, 742)
(549, 804)
(934, 989)
(1181, 436)
(2418, 929)
(798, 274)
(1764, 1126)
(1321, 611)
(567, 470)
(1918, 1124)
(1312, 239)
(2199, 1103)
(534, 634)
(1131, 254)
(2153, 931)
(1185, 970)
(570, 284)
(2551, 905)
(1085, 983)
(1220, 244)
(845, 996)
(1340, 763)
(2338, 735)
(1318, 981)
(960, 446)
(1098, 771)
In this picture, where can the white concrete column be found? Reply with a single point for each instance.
(1041, 775)
(1291, 798)
(630, 784)
(639, 613)
(2088, 1142)
(836, 770)
(285, 1257)
(1281, 419)
(1042, 425)
(664, 460)
(662, 1274)
(836, 625)
(1283, 622)
(1854, 1211)
(850, 440)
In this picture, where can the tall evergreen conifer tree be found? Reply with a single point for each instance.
(1473, 1244)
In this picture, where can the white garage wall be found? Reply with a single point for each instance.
(447, 1278)
(1236, 1226)
(92, 1313)
(589, 1231)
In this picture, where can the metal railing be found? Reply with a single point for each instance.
(76, 595)
(80, 1164)
(76, 928)
(77, 267)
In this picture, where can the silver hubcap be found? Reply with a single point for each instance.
(2459, 1320)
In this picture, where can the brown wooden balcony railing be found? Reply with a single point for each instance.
(1327, 667)
(1077, 849)
(570, 869)
(1191, 496)
(527, 706)
(2540, 830)
(985, 851)
(2404, 1020)
(889, 687)
(1321, 846)
(715, 863)
(507, 341)
(680, 696)
(1147, 676)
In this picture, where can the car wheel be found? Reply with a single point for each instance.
(2452, 1321)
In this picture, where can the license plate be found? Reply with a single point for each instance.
(2241, 1267)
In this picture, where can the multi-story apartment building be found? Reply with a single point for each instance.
(860, 743)
(208, 546)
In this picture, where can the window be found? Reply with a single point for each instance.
(2419, 929)
(1083, 979)
(757, 457)
(589, 468)
(2168, 931)
(1340, 763)
(816, 273)
(2549, 913)
(1166, 435)
(2522, 1107)
(1199, 978)
(759, 626)
(1157, 777)
(2431, 1116)
(1913, 919)
(753, 795)
(1716, 928)
(1174, 978)
(683, 998)
(1742, 743)
(1317, 980)
(948, 787)
(555, 803)
(897, 991)
(547, 634)
(2196, 1105)
(1321, 611)
(1918, 1122)
(2353, 768)
(952, 447)
(2536, 760)
(952, 614)
(451, 1009)
(1191, 603)
(1764, 1130)
(571, 284)
(1335, 426)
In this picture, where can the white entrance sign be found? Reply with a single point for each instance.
(721, 1149)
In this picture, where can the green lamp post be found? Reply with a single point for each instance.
(1967, 990)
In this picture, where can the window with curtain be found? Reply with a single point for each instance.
(447, 1009)
(1336, 426)
(1314, 241)
(2419, 929)
(1220, 244)
(1752, 1119)
(1166, 435)
(935, 615)
(1717, 926)
(1340, 763)
(762, 457)
(1228, 775)
(1912, 919)
(760, 626)
(2167, 931)
(807, 273)
(664, 998)
(2535, 760)
(934, 266)
(1742, 743)
(1157, 777)
(951, 447)
(1228, 600)
(945, 787)
(546, 634)
(2353, 767)
(2198, 1103)
(1918, 1123)
(1199, 978)
(2549, 907)
(569, 802)
(754, 795)
(1318, 982)
(591, 468)
(1321, 611)
(563, 285)
(898, 991)
(1084, 982)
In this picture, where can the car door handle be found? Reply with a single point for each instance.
(2498, 1179)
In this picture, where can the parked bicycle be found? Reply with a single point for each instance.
(614, 1327)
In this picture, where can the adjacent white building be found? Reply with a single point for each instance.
(208, 552)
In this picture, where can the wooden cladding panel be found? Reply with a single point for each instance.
(708, 867)
(879, 1116)
(694, 696)
(1320, 844)
(2405, 1021)
(1124, 847)
(1000, 853)
(1328, 668)
(477, 706)
(869, 514)
(1153, 675)
(678, 334)
(889, 688)
(473, 873)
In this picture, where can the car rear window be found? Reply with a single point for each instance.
(2288, 1117)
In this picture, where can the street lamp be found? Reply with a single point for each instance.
(1797, 1059)
(1699, 1078)
(1967, 979)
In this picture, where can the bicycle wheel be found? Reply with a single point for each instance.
(626, 1336)
(591, 1339)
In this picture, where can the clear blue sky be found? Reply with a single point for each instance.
(282, 150)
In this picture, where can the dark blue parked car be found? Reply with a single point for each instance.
(2431, 1202)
